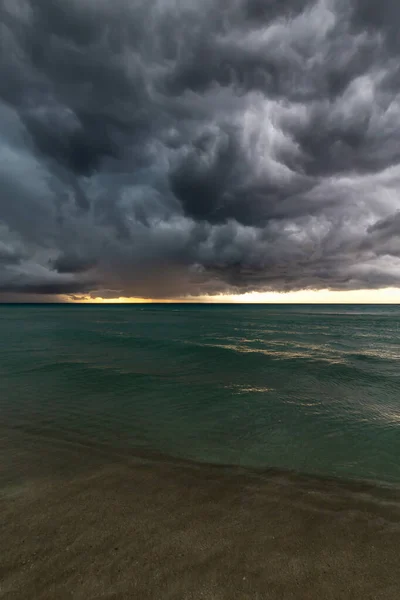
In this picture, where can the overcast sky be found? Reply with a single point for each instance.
(158, 148)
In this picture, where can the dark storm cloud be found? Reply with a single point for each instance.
(160, 148)
(79, 148)
(71, 263)
(44, 288)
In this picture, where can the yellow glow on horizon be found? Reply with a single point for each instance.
(99, 300)
(382, 296)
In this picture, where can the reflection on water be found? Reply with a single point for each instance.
(309, 352)
(238, 389)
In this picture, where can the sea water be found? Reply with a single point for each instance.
(309, 388)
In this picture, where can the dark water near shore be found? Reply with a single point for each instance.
(315, 389)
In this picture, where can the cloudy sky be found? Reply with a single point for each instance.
(164, 148)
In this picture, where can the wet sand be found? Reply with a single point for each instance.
(84, 522)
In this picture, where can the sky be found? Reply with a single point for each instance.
(245, 150)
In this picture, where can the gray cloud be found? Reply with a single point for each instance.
(157, 149)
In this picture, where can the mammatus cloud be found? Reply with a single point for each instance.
(158, 148)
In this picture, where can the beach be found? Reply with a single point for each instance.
(84, 522)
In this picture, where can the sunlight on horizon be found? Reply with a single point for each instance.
(382, 296)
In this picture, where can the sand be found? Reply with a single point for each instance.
(84, 523)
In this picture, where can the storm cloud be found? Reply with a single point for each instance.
(159, 148)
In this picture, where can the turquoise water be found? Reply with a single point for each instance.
(310, 388)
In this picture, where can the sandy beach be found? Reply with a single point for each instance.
(84, 522)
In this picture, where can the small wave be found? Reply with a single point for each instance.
(375, 355)
(243, 389)
(276, 354)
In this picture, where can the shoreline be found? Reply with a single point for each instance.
(84, 524)
(95, 450)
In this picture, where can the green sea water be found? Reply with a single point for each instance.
(315, 389)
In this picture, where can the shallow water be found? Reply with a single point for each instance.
(315, 389)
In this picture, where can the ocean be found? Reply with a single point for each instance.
(313, 389)
(199, 452)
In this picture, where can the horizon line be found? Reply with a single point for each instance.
(172, 302)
